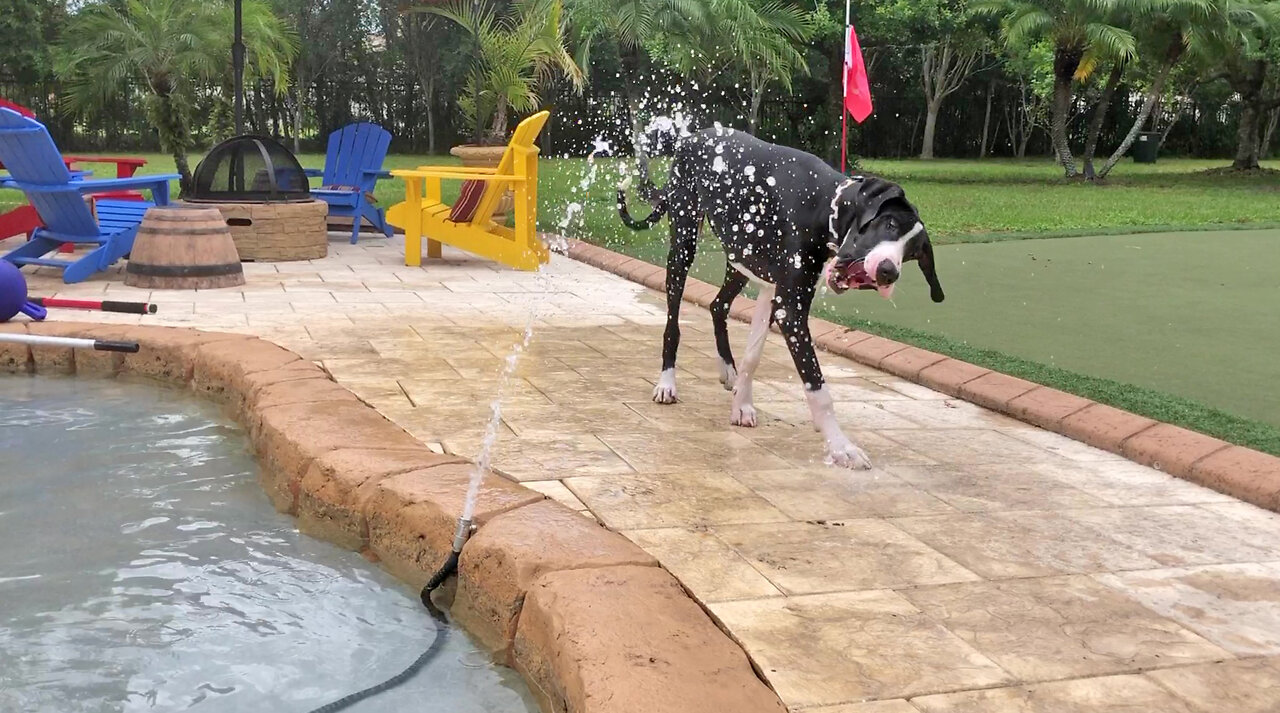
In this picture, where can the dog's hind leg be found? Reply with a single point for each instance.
(792, 315)
(734, 281)
(684, 243)
(744, 410)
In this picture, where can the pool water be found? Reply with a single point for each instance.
(142, 568)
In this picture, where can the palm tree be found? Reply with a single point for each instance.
(761, 36)
(632, 25)
(771, 56)
(1082, 32)
(1249, 54)
(515, 52)
(271, 45)
(1174, 29)
(165, 48)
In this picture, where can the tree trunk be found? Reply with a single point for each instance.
(930, 128)
(753, 119)
(168, 115)
(295, 108)
(1100, 117)
(1153, 94)
(1247, 147)
(259, 108)
(1164, 135)
(1062, 96)
(499, 128)
(1065, 62)
(429, 90)
(297, 124)
(1021, 125)
(1265, 148)
(630, 67)
(986, 120)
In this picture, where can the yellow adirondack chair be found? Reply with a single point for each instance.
(423, 213)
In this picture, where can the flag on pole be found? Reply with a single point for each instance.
(857, 90)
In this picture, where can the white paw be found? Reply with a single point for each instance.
(665, 391)
(744, 415)
(728, 375)
(847, 455)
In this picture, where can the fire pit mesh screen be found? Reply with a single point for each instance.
(249, 169)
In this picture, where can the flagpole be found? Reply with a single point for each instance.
(844, 96)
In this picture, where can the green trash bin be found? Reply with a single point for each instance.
(1147, 147)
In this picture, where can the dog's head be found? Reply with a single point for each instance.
(878, 230)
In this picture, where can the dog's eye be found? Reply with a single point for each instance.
(891, 224)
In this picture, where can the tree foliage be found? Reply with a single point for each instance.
(166, 51)
(1070, 78)
(516, 52)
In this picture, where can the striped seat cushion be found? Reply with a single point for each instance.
(464, 209)
(349, 189)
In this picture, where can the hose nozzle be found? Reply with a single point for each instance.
(461, 535)
(451, 563)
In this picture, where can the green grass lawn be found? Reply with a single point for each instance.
(1182, 328)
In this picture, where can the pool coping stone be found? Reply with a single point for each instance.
(592, 622)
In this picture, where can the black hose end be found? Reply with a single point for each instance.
(449, 567)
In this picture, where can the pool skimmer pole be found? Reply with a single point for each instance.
(97, 305)
(100, 345)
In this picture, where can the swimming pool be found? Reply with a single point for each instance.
(142, 568)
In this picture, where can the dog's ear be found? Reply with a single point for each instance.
(873, 193)
(930, 271)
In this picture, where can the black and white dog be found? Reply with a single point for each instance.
(786, 220)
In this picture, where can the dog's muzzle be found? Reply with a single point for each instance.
(847, 274)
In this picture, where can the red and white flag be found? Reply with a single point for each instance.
(857, 90)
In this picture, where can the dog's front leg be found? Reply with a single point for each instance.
(792, 315)
(744, 411)
(684, 243)
(734, 281)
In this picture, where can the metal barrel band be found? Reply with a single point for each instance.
(148, 270)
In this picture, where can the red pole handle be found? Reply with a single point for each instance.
(104, 306)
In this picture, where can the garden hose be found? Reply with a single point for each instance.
(442, 628)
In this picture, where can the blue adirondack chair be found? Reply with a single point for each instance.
(352, 167)
(36, 168)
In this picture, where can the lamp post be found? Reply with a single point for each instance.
(237, 67)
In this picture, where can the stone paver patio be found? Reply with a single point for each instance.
(984, 565)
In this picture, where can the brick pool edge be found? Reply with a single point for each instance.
(1251, 476)
(590, 620)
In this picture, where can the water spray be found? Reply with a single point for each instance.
(461, 534)
(465, 527)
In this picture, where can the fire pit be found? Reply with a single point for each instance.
(263, 194)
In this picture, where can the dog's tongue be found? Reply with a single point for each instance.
(886, 291)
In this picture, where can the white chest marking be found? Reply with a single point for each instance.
(750, 275)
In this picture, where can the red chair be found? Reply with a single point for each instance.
(125, 168)
(24, 219)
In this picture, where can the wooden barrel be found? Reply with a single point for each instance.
(183, 247)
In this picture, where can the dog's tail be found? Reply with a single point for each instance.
(659, 209)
